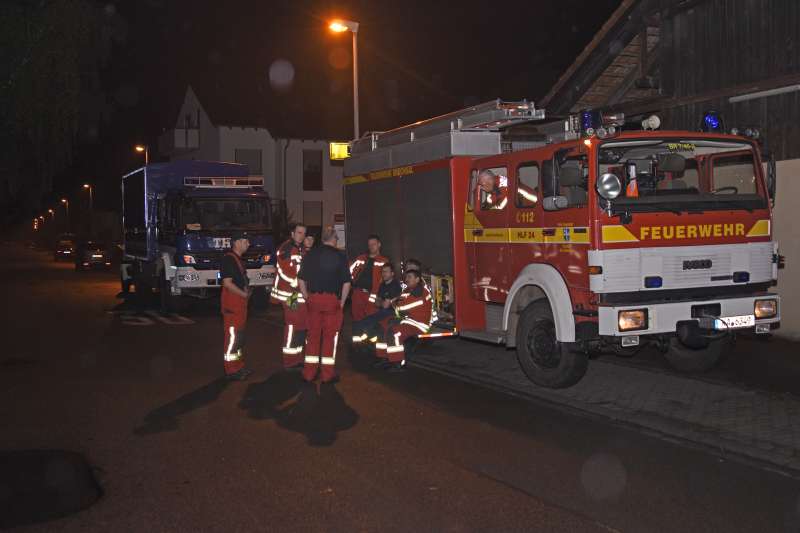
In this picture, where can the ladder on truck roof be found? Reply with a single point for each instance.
(474, 130)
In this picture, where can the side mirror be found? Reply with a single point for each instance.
(772, 178)
(554, 203)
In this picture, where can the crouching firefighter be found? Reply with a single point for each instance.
(235, 294)
(286, 292)
(325, 284)
(366, 274)
(412, 317)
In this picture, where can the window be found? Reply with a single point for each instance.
(527, 185)
(735, 174)
(251, 158)
(473, 184)
(312, 170)
(497, 198)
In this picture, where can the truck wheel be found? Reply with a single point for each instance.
(544, 360)
(694, 360)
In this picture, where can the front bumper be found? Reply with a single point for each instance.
(664, 317)
(191, 278)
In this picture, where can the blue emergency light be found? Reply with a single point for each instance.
(712, 122)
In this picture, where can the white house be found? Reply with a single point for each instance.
(298, 171)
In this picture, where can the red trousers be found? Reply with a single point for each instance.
(360, 306)
(294, 334)
(234, 319)
(392, 347)
(324, 323)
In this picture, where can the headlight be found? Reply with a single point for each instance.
(189, 260)
(632, 320)
(765, 308)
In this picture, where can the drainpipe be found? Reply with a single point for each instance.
(285, 196)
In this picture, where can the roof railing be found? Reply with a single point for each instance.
(224, 182)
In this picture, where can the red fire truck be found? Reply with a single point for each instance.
(590, 236)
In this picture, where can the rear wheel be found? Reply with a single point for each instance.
(544, 360)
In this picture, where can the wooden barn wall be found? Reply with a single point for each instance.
(725, 43)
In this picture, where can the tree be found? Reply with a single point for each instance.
(50, 51)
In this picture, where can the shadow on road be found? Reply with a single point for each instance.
(165, 418)
(298, 406)
(40, 485)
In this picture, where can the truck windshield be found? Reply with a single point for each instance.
(225, 214)
(682, 174)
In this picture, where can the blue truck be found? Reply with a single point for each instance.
(177, 221)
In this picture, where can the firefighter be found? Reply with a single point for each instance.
(495, 189)
(366, 274)
(308, 242)
(235, 294)
(370, 327)
(415, 264)
(286, 293)
(413, 317)
(325, 284)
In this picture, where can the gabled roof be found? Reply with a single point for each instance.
(243, 105)
(611, 68)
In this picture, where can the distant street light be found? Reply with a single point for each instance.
(142, 149)
(91, 196)
(340, 26)
(52, 214)
(66, 207)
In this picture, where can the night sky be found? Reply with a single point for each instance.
(416, 59)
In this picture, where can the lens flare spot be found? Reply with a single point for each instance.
(281, 75)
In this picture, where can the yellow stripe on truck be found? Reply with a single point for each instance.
(759, 229)
(618, 234)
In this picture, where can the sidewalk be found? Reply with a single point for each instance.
(731, 419)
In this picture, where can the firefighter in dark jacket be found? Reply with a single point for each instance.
(325, 284)
(369, 328)
(366, 273)
(235, 294)
(413, 317)
(285, 292)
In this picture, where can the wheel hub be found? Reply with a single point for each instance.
(543, 347)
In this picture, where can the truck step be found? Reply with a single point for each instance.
(495, 336)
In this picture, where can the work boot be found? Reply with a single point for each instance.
(396, 368)
(239, 375)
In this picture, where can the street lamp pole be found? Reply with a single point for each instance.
(355, 82)
(91, 197)
(340, 26)
(143, 148)
(66, 209)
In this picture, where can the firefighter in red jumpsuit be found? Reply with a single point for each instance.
(325, 284)
(414, 307)
(495, 189)
(366, 274)
(286, 292)
(235, 294)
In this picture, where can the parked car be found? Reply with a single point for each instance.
(92, 254)
(65, 248)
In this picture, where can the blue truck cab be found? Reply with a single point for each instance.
(177, 222)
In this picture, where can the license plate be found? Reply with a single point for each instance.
(732, 322)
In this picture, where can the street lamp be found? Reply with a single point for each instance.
(66, 206)
(142, 149)
(340, 26)
(52, 214)
(91, 196)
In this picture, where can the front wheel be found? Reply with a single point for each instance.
(544, 360)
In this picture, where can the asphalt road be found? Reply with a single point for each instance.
(175, 448)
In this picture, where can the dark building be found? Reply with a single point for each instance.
(740, 58)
